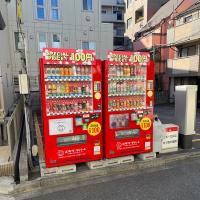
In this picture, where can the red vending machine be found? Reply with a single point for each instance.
(71, 106)
(128, 103)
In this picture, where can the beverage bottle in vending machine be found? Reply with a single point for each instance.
(53, 73)
(86, 70)
(110, 105)
(74, 70)
(58, 92)
(62, 88)
(79, 90)
(57, 73)
(132, 71)
(118, 87)
(47, 72)
(87, 89)
(118, 72)
(114, 87)
(110, 87)
(66, 88)
(48, 89)
(78, 70)
(54, 88)
(70, 71)
(128, 71)
(82, 71)
(66, 71)
(62, 72)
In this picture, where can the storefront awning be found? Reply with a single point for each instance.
(2, 23)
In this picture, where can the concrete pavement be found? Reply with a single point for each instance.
(177, 181)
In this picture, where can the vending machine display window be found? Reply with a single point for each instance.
(73, 83)
(126, 87)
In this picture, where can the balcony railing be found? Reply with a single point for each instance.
(185, 66)
(112, 2)
(118, 17)
(185, 32)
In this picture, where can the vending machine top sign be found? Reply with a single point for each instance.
(128, 58)
(69, 56)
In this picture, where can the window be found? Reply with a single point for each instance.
(139, 15)
(118, 41)
(56, 40)
(42, 41)
(129, 3)
(55, 15)
(129, 23)
(40, 9)
(88, 45)
(120, 2)
(103, 11)
(192, 51)
(187, 51)
(119, 31)
(87, 4)
(187, 19)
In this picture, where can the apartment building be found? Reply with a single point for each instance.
(112, 11)
(60, 24)
(138, 13)
(184, 68)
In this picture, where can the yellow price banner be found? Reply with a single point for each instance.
(145, 123)
(94, 128)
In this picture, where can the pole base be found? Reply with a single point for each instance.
(185, 141)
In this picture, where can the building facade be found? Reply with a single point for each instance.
(138, 13)
(60, 24)
(112, 11)
(184, 67)
(6, 67)
(153, 38)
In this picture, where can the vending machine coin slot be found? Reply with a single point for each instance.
(71, 140)
(123, 134)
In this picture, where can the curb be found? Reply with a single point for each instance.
(85, 177)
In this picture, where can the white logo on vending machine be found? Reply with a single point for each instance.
(60, 153)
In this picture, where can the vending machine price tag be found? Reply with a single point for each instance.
(97, 86)
(145, 123)
(94, 128)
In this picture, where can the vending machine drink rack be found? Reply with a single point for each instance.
(71, 106)
(128, 103)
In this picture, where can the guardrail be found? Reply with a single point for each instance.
(8, 152)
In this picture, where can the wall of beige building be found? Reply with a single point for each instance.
(6, 66)
(140, 11)
(75, 26)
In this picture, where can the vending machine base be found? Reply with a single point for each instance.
(110, 162)
(147, 156)
(55, 170)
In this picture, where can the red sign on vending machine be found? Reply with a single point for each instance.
(128, 103)
(71, 106)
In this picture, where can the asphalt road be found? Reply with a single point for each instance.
(178, 181)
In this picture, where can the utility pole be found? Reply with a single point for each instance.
(23, 80)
